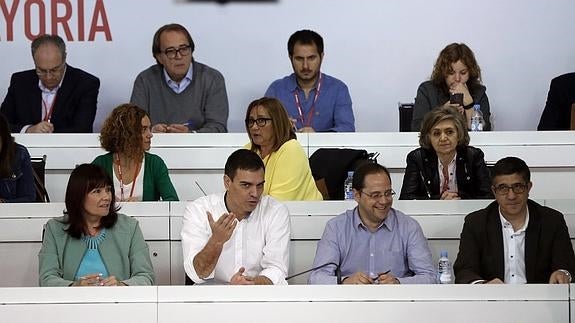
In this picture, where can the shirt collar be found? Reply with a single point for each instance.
(388, 222)
(188, 76)
(54, 90)
(507, 224)
(293, 86)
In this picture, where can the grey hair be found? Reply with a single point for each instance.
(49, 39)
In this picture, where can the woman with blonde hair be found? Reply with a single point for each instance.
(137, 174)
(287, 173)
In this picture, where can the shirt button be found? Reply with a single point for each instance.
(511, 256)
(371, 255)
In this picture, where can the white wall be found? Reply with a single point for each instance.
(381, 49)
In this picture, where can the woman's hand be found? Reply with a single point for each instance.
(447, 195)
(462, 88)
(456, 106)
(111, 281)
(88, 280)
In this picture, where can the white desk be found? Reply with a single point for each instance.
(375, 303)
(78, 304)
(201, 157)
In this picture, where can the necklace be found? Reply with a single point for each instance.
(136, 171)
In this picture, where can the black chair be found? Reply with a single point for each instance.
(189, 281)
(329, 167)
(405, 116)
(39, 172)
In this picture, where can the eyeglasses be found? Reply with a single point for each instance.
(503, 189)
(56, 71)
(172, 52)
(261, 122)
(379, 195)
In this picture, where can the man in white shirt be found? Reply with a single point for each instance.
(238, 237)
(514, 240)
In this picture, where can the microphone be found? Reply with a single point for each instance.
(337, 271)
(198, 184)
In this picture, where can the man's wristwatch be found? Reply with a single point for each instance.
(566, 273)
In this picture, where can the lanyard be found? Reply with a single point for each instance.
(306, 122)
(136, 171)
(48, 112)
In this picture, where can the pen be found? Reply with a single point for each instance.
(376, 279)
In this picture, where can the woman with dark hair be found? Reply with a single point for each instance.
(127, 135)
(445, 166)
(92, 244)
(16, 177)
(456, 73)
(287, 172)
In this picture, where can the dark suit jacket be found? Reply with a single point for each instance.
(421, 179)
(547, 245)
(557, 112)
(74, 109)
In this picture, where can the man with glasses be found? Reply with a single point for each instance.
(373, 243)
(179, 93)
(514, 240)
(53, 97)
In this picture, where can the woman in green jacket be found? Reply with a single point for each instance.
(137, 174)
(93, 245)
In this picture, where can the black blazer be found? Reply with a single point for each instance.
(557, 112)
(74, 108)
(547, 245)
(421, 179)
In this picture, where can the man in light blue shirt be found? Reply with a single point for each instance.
(373, 243)
(315, 101)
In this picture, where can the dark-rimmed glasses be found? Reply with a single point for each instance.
(379, 195)
(517, 188)
(56, 71)
(172, 52)
(261, 122)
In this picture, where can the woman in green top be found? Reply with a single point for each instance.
(137, 174)
(93, 245)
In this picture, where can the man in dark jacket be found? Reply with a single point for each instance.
(514, 240)
(557, 112)
(53, 97)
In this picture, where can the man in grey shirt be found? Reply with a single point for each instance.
(180, 94)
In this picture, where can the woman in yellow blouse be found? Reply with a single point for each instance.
(288, 176)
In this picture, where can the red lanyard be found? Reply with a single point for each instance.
(306, 122)
(48, 112)
(136, 171)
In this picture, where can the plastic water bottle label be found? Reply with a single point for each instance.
(348, 192)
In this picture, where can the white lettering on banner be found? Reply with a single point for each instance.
(61, 17)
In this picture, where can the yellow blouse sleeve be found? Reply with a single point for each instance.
(288, 175)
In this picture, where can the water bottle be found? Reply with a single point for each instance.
(477, 121)
(348, 186)
(444, 269)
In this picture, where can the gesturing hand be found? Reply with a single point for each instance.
(223, 228)
(239, 278)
